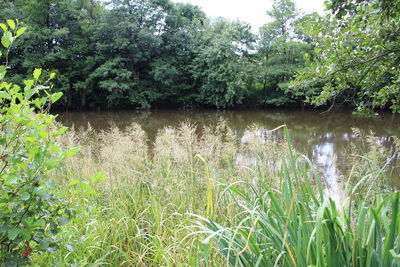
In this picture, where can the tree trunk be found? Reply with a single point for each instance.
(83, 99)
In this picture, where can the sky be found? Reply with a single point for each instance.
(251, 11)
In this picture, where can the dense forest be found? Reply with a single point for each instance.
(156, 53)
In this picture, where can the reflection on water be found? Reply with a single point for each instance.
(325, 138)
(323, 155)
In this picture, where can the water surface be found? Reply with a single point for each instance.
(324, 138)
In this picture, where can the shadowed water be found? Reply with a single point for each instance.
(324, 138)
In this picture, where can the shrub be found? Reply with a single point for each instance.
(31, 210)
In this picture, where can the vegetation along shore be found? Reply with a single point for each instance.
(195, 194)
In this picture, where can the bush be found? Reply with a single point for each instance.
(31, 211)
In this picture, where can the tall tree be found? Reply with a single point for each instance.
(221, 67)
(181, 39)
(60, 39)
(129, 38)
(280, 53)
(359, 56)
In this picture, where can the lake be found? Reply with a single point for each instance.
(324, 138)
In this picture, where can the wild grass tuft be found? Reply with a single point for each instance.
(257, 203)
(297, 225)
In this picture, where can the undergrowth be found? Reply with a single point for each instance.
(203, 198)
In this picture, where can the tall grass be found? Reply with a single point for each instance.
(272, 212)
(297, 226)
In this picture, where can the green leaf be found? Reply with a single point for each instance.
(11, 23)
(3, 26)
(20, 31)
(44, 244)
(72, 151)
(29, 83)
(5, 95)
(56, 96)
(60, 131)
(5, 41)
(25, 196)
(52, 75)
(13, 179)
(63, 221)
(26, 235)
(36, 74)
(37, 102)
(51, 185)
(39, 223)
(74, 182)
(3, 72)
(13, 233)
(43, 134)
(98, 177)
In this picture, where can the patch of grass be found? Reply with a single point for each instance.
(297, 226)
(255, 204)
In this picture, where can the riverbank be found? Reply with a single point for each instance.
(146, 212)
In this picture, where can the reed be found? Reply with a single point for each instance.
(297, 226)
(202, 198)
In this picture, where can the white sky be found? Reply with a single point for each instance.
(251, 11)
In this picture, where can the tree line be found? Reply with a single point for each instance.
(157, 53)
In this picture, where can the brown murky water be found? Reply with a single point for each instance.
(324, 138)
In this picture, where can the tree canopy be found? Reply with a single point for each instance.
(157, 53)
(357, 56)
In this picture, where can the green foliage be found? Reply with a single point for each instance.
(342, 8)
(142, 214)
(154, 53)
(280, 52)
(171, 71)
(357, 59)
(221, 69)
(31, 210)
(297, 226)
(145, 53)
